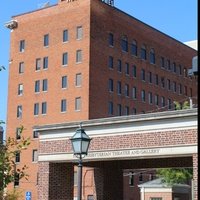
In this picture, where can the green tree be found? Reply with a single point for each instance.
(8, 151)
(178, 106)
(172, 176)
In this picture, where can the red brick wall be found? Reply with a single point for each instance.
(105, 20)
(154, 139)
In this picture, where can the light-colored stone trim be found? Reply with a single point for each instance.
(123, 154)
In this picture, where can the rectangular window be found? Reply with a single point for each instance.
(65, 35)
(150, 98)
(110, 108)
(79, 32)
(127, 68)
(185, 90)
(20, 89)
(134, 71)
(119, 65)
(140, 177)
(46, 40)
(44, 108)
(78, 80)
(179, 70)
(119, 88)
(35, 134)
(126, 110)
(119, 110)
(110, 85)
(37, 86)
(169, 104)
(134, 93)
(44, 85)
(168, 65)
(21, 67)
(124, 44)
(38, 64)
(131, 179)
(162, 62)
(64, 82)
(168, 84)
(22, 45)
(180, 89)
(45, 62)
(143, 95)
(174, 86)
(134, 111)
(36, 109)
(162, 80)
(111, 39)
(156, 100)
(163, 101)
(143, 53)
(156, 198)
(19, 111)
(174, 67)
(78, 104)
(156, 79)
(150, 77)
(17, 157)
(143, 75)
(35, 155)
(126, 90)
(110, 62)
(134, 48)
(65, 58)
(18, 133)
(79, 56)
(16, 181)
(63, 105)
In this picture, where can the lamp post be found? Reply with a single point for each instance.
(80, 143)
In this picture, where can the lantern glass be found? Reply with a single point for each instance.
(80, 142)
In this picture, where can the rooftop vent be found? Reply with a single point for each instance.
(11, 24)
(109, 2)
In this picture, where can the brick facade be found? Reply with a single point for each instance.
(97, 20)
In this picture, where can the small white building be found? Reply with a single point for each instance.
(158, 190)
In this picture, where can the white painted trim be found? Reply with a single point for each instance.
(117, 131)
(123, 154)
(157, 190)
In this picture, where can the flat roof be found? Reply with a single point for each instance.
(117, 9)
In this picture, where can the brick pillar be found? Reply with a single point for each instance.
(195, 176)
(109, 183)
(56, 181)
(43, 181)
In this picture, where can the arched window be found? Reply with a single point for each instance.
(152, 56)
(124, 43)
(134, 48)
(143, 52)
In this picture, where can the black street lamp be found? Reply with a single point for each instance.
(80, 143)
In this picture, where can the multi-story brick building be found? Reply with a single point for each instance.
(86, 59)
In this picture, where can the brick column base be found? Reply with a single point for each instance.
(108, 183)
(195, 177)
(56, 181)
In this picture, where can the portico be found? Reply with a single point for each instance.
(156, 140)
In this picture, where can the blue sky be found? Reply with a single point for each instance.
(176, 18)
